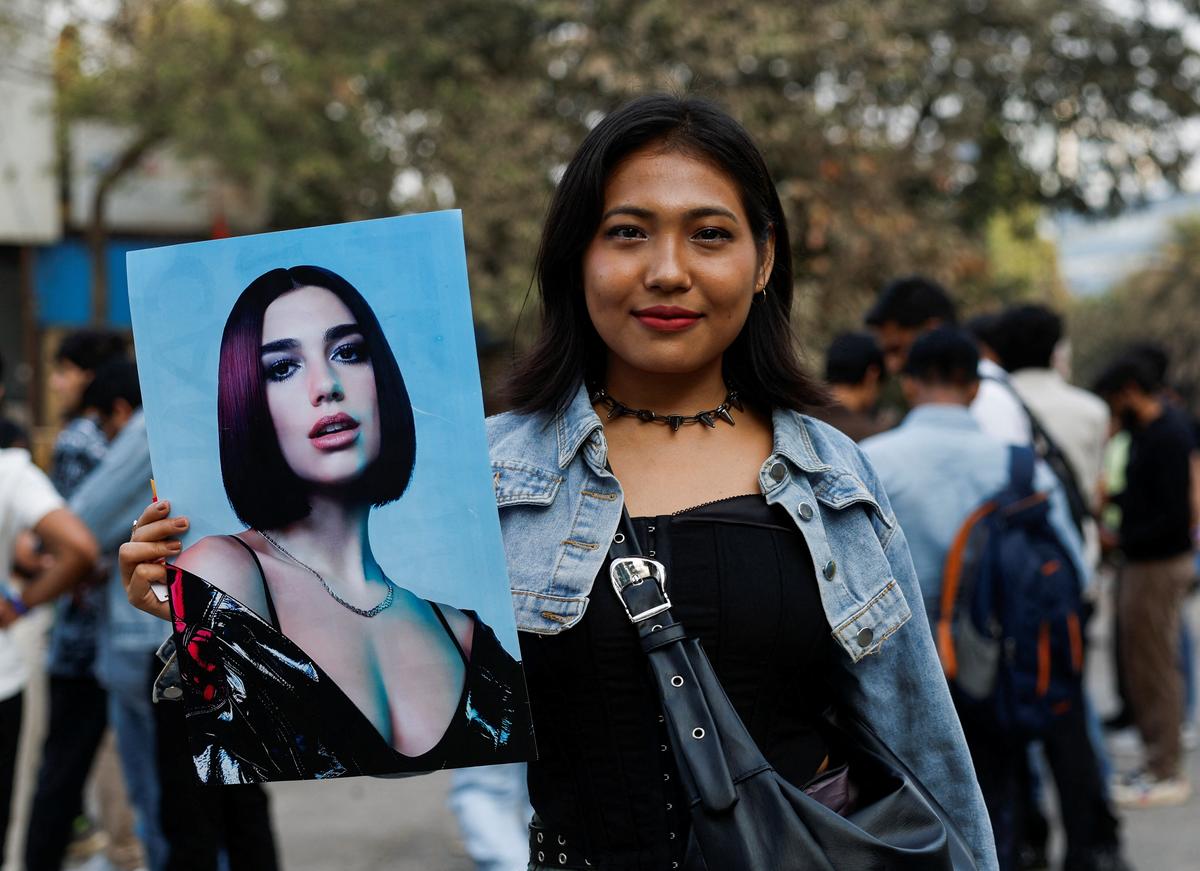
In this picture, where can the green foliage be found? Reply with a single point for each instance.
(901, 134)
(1160, 303)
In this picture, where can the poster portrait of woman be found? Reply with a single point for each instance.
(302, 654)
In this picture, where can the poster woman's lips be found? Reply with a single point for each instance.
(334, 432)
(667, 318)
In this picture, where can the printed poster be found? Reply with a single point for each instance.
(341, 605)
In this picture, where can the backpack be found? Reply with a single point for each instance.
(1010, 635)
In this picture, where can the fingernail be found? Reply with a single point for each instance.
(181, 522)
(162, 506)
(176, 545)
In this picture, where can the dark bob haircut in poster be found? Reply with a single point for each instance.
(263, 491)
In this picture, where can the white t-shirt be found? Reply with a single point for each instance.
(26, 496)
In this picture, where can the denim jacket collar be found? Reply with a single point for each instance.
(576, 424)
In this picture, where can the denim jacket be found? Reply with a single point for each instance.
(559, 508)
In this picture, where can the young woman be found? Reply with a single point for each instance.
(665, 380)
(315, 428)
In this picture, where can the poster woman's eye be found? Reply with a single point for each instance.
(350, 352)
(280, 370)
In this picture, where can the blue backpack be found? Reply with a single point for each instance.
(1010, 635)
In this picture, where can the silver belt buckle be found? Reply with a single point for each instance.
(632, 571)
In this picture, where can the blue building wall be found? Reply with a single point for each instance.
(62, 281)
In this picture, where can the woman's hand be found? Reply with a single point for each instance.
(143, 556)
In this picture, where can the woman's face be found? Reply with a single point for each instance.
(670, 275)
(320, 386)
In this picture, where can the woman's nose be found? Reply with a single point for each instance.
(324, 386)
(667, 269)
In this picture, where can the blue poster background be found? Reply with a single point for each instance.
(441, 540)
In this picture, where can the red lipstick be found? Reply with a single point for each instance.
(667, 318)
(334, 432)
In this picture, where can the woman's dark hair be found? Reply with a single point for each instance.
(262, 489)
(762, 361)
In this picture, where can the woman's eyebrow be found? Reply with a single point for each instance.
(341, 331)
(279, 345)
(690, 214)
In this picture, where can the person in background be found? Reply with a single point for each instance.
(78, 704)
(1155, 536)
(910, 307)
(1159, 361)
(1023, 341)
(1075, 419)
(29, 502)
(12, 435)
(938, 467)
(80, 445)
(854, 372)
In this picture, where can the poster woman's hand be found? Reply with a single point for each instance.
(142, 557)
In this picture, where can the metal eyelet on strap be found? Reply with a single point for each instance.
(541, 856)
(562, 842)
(697, 733)
(562, 858)
(540, 837)
(649, 528)
(619, 538)
(651, 553)
(677, 681)
(666, 777)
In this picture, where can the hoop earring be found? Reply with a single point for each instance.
(761, 294)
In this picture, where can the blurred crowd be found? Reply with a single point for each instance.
(1106, 501)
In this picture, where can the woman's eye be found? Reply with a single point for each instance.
(351, 352)
(281, 370)
(625, 231)
(713, 234)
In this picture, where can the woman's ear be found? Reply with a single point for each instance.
(766, 260)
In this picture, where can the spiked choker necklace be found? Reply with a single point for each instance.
(709, 418)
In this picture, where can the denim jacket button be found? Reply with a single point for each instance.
(865, 637)
(778, 472)
(805, 510)
(830, 570)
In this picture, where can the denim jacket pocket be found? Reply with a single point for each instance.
(519, 483)
(865, 631)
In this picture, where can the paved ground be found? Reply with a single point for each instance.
(402, 825)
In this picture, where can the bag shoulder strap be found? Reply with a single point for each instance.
(1021, 462)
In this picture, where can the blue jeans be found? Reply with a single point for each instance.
(492, 806)
(132, 718)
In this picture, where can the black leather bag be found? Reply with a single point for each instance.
(744, 815)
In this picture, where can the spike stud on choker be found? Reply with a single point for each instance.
(709, 418)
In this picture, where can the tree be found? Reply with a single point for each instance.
(1160, 303)
(897, 132)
